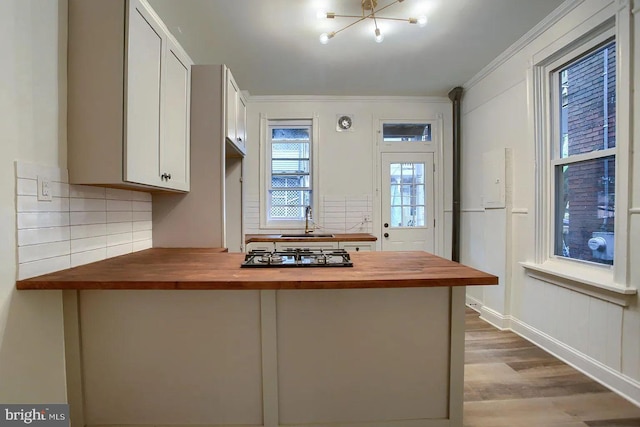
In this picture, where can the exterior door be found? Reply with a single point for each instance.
(408, 221)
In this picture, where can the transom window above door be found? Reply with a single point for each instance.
(406, 132)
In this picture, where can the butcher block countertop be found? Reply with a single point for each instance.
(180, 268)
(347, 237)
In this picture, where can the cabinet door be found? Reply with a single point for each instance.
(174, 147)
(231, 108)
(145, 49)
(241, 124)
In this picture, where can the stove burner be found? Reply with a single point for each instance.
(269, 258)
(298, 258)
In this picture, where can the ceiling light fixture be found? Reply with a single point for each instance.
(369, 11)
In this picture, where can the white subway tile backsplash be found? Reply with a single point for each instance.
(32, 204)
(118, 250)
(87, 192)
(88, 244)
(119, 217)
(87, 205)
(90, 230)
(42, 251)
(336, 214)
(42, 219)
(82, 224)
(83, 218)
(119, 227)
(141, 196)
(43, 266)
(87, 257)
(141, 216)
(118, 194)
(35, 236)
(142, 235)
(119, 205)
(141, 206)
(142, 225)
(26, 187)
(119, 239)
(142, 245)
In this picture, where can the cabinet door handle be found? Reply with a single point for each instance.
(166, 176)
(239, 139)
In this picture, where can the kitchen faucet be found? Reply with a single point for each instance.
(307, 217)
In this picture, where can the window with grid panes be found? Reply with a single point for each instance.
(289, 184)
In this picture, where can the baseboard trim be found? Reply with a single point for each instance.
(613, 380)
(496, 319)
(473, 303)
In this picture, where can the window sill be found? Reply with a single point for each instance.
(593, 281)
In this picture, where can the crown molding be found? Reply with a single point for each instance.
(560, 12)
(365, 99)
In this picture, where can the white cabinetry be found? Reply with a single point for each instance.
(236, 115)
(129, 96)
(263, 246)
(211, 214)
(357, 246)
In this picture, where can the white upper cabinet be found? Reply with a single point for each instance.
(174, 137)
(129, 98)
(236, 115)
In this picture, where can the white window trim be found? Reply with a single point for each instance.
(585, 277)
(265, 165)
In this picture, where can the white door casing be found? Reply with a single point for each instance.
(407, 202)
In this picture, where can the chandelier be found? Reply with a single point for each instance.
(369, 11)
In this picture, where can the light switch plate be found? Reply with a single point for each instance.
(44, 189)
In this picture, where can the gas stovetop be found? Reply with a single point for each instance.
(298, 258)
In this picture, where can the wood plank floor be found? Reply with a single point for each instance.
(510, 382)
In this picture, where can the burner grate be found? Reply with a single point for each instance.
(298, 258)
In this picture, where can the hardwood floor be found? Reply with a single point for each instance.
(510, 382)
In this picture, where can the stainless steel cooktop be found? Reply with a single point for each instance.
(298, 258)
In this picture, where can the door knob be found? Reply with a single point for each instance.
(386, 225)
(386, 234)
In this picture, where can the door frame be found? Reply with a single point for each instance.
(435, 146)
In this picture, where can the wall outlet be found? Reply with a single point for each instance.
(44, 189)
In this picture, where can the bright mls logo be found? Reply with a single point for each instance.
(55, 415)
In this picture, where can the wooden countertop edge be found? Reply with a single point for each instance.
(252, 285)
(212, 269)
(355, 237)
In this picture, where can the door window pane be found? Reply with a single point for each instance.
(407, 195)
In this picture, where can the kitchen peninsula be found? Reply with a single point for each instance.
(377, 344)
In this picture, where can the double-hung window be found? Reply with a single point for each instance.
(581, 103)
(583, 155)
(289, 166)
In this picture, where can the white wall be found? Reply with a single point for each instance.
(597, 336)
(346, 159)
(33, 129)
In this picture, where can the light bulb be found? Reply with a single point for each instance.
(379, 36)
(422, 21)
(324, 37)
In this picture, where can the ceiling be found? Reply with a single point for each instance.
(272, 47)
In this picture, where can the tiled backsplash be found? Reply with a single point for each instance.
(82, 224)
(336, 214)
